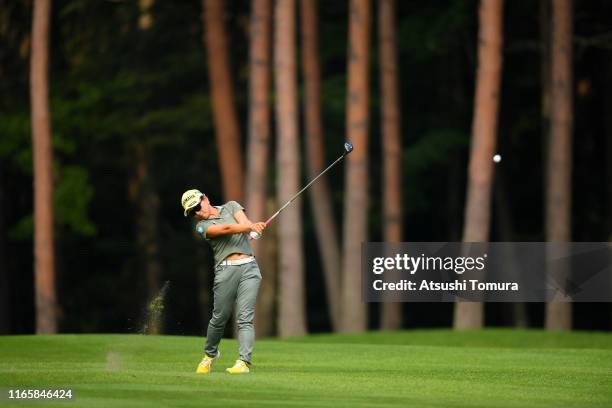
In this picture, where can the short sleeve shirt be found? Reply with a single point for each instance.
(228, 244)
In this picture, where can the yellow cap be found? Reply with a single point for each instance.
(190, 199)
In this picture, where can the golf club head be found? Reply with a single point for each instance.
(348, 147)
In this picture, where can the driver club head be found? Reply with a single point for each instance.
(348, 147)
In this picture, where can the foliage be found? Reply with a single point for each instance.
(114, 86)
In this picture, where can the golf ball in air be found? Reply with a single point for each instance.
(497, 158)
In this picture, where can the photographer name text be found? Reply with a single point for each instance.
(413, 264)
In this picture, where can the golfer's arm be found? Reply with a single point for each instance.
(226, 229)
(241, 218)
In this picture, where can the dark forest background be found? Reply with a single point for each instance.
(118, 94)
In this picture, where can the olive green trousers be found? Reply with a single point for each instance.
(239, 285)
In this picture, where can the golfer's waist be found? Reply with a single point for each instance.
(240, 261)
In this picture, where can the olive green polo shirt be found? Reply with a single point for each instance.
(224, 245)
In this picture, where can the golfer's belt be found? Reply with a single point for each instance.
(241, 261)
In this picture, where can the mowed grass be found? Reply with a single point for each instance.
(433, 368)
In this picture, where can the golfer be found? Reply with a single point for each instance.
(237, 276)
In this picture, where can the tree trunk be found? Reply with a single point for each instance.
(558, 189)
(147, 233)
(258, 157)
(225, 119)
(143, 185)
(391, 318)
(469, 315)
(292, 314)
(265, 312)
(354, 312)
(320, 195)
(608, 138)
(259, 111)
(545, 84)
(607, 100)
(505, 222)
(5, 283)
(145, 17)
(44, 252)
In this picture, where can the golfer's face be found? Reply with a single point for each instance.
(205, 209)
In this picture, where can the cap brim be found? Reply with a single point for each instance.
(191, 205)
(188, 209)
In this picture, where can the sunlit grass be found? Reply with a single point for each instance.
(437, 368)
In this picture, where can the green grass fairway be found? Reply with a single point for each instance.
(434, 368)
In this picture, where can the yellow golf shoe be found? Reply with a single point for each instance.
(206, 364)
(239, 368)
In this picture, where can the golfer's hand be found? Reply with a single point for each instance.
(258, 227)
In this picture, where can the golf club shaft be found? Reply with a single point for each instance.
(269, 220)
(303, 189)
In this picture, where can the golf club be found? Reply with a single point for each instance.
(348, 147)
